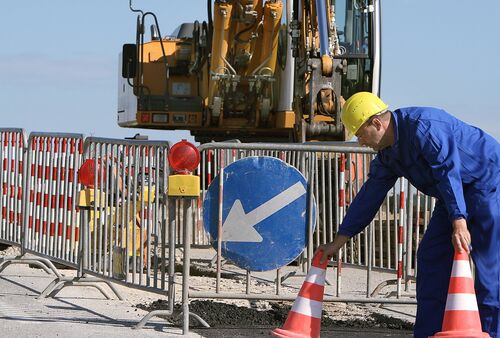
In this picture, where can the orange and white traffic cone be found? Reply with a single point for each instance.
(304, 319)
(461, 316)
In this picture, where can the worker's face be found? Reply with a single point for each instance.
(370, 134)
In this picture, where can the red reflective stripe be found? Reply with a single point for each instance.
(461, 285)
(402, 199)
(465, 322)
(298, 322)
(312, 291)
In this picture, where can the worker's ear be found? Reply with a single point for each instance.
(377, 122)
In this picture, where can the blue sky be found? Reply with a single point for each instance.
(58, 60)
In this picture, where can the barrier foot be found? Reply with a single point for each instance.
(286, 276)
(199, 319)
(382, 285)
(213, 262)
(42, 263)
(48, 289)
(154, 313)
(389, 282)
(150, 315)
(59, 283)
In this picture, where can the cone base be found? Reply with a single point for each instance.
(287, 334)
(462, 334)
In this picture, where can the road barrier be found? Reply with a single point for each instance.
(12, 144)
(129, 236)
(101, 206)
(335, 172)
(52, 227)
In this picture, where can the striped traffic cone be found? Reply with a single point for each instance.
(461, 316)
(304, 319)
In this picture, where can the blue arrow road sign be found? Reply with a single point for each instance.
(264, 213)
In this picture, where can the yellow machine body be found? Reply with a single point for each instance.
(257, 71)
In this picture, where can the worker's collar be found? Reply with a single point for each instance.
(395, 130)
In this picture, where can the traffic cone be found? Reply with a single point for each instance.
(461, 316)
(304, 319)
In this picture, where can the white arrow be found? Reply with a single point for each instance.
(239, 227)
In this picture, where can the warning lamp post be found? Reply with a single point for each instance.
(184, 187)
(184, 158)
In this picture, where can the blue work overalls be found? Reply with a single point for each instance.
(460, 166)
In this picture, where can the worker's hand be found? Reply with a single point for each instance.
(331, 249)
(461, 236)
(328, 252)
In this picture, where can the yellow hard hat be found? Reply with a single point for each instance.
(359, 108)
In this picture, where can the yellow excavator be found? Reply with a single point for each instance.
(254, 70)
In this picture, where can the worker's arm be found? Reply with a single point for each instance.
(438, 147)
(369, 198)
(364, 206)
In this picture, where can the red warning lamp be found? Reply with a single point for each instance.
(184, 157)
(86, 173)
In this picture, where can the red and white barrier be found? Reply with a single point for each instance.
(52, 219)
(11, 184)
(341, 218)
(400, 235)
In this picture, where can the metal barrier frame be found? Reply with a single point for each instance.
(334, 171)
(405, 254)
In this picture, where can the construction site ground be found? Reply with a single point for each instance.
(86, 312)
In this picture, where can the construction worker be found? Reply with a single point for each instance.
(454, 162)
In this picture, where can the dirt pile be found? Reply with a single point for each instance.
(273, 314)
